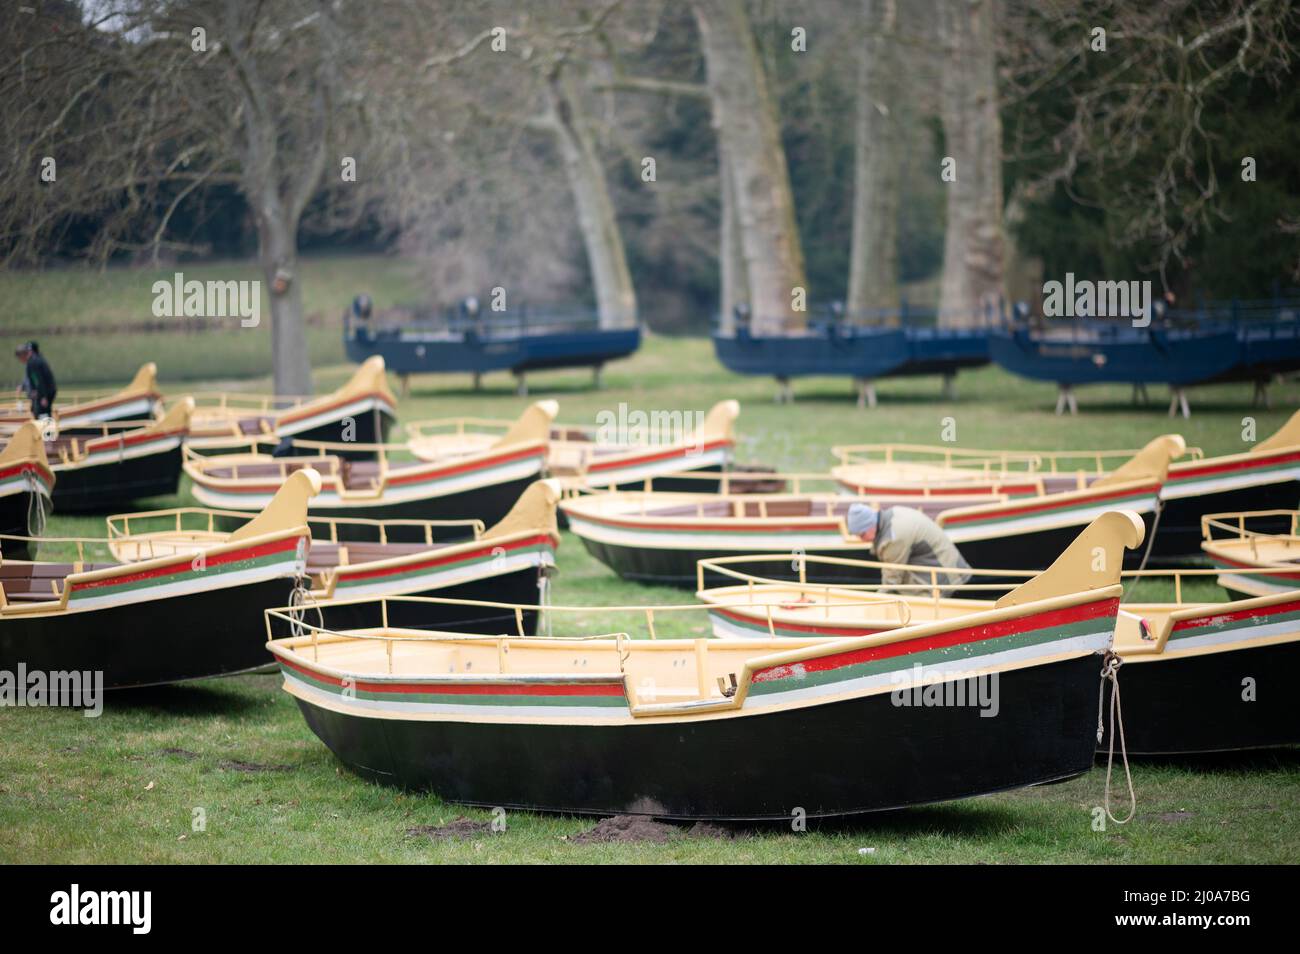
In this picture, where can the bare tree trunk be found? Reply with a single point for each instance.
(278, 252)
(1024, 272)
(735, 289)
(610, 275)
(973, 252)
(873, 259)
(745, 118)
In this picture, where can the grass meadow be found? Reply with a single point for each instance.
(127, 786)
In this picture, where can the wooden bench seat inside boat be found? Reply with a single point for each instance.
(787, 507)
(325, 556)
(256, 425)
(32, 582)
(355, 474)
(325, 466)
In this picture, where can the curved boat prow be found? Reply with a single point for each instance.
(372, 376)
(1151, 462)
(533, 511)
(145, 380)
(1288, 435)
(177, 417)
(27, 442)
(717, 424)
(532, 425)
(287, 509)
(1092, 562)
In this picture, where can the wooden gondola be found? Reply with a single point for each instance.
(1265, 477)
(352, 559)
(139, 400)
(581, 459)
(658, 537)
(161, 620)
(104, 466)
(26, 488)
(360, 413)
(481, 485)
(1197, 676)
(613, 725)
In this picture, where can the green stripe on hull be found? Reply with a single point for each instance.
(1248, 622)
(1049, 511)
(433, 697)
(181, 576)
(968, 650)
(441, 568)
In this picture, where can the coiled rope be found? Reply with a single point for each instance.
(300, 601)
(37, 513)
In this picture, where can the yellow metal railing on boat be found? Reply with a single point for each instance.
(1022, 461)
(1235, 524)
(294, 616)
(119, 525)
(799, 562)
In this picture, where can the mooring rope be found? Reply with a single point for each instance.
(37, 515)
(1110, 671)
(1146, 554)
(300, 600)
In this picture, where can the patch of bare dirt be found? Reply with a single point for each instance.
(627, 828)
(460, 827)
(704, 829)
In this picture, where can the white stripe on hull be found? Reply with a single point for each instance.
(114, 455)
(471, 713)
(1096, 642)
(1254, 586)
(135, 408)
(1079, 517)
(775, 542)
(330, 499)
(334, 415)
(673, 465)
(442, 578)
(286, 569)
(1216, 484)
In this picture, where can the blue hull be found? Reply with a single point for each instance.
(416, 352)
(1266, 350)
(863, 353)
(944, 351)
(1121, 355)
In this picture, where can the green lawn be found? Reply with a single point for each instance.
(125, 787)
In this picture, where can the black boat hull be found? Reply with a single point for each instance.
(1179, 533)
(859, 755)
(100, 488)
(16, 510)
(211, 633)
(1033, 550)
(1196, 704)
(372, 427)
(519, 586)
(1036, 549)
(665, 567)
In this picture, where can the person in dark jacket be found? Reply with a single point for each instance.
(907, 536)
(38, 379)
